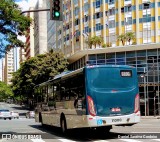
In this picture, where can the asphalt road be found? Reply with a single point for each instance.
(24, 128)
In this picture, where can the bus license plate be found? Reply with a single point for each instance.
(115, 109)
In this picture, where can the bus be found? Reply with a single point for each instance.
(96, 96)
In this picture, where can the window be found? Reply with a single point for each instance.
(97, 15)
(128, 8)
(146, 6)
(85, 18)
(111, 11)
(98, 3)
(86, 7)
(98, 27)
(76, 12)
(111, 1)
(76, 22)
(75, 2)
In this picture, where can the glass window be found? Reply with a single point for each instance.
(92, 57)
(98, 3)
(120, 55)
(130, 54)
(100, 56)
(141, 53)
(152, 52)
(98, 27)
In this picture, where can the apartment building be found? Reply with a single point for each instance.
(8, 66)
(109, 19)
(40, 28)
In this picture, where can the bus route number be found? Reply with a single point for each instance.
(126, 73)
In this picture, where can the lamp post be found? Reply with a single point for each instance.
(145, 96)
(85, 35)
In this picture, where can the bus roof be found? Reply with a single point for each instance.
(71, 73)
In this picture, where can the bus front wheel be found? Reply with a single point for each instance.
(63, 125)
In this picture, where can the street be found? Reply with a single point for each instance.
(23, 126)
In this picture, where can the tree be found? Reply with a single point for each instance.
(99, 41)
(130, 36)
(5, 91)
(11, 23)
(37, 70)
(89, 41)
(122, 38)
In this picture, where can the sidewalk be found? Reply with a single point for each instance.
(150, 117)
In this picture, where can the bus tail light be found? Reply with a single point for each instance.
(136, 105)
(91, 106)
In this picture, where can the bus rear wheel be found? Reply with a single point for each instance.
(63, 125)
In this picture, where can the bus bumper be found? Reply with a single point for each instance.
(98, 121)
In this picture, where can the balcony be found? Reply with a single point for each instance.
(128, 2)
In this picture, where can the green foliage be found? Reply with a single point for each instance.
(37, 70)
(130, 36)
(126, 37)
(5, 91)
(95, 40)
(109, 44)
(11, 23)
(104, 45)
(122, 38)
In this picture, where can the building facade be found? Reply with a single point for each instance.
(109, 19)
(8, 66)
(40, 28)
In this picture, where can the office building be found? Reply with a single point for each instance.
(109, 19)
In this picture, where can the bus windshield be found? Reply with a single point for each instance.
(107, 78)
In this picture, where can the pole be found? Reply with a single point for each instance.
(35, 10)
(145, 99)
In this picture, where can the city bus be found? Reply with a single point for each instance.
(96, 96)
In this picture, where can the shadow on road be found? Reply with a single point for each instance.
(81, 134)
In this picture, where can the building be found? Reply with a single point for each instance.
(51, 30)
(8, 66)
(30, 39)
(109, 19)
(40, 28)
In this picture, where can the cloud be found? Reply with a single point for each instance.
(23, 4)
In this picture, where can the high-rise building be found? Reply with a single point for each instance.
(8, 66)
(30, 39)
(40, 28)
(109, 19)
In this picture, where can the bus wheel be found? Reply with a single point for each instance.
(63, 125)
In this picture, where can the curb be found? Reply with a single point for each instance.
(156, 117)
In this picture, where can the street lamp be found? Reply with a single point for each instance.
(85, 35)
(145, 99)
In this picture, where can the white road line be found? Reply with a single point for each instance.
(101, 141)
(145, 132)
(37, 140)
(129, 140)
(65, 140)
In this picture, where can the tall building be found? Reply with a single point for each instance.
(8, 66)
(30, 36)
(109, 19)
(51, 30)
(40, 28)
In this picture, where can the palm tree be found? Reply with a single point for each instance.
(122, 38)
(89, 41)
(130, 36)
(95, 39)
(99, 41)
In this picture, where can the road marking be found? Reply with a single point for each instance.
(129, 140)
(101, 141)
(145, 132)
(37, 140)
(65, 140)
(156, 140)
